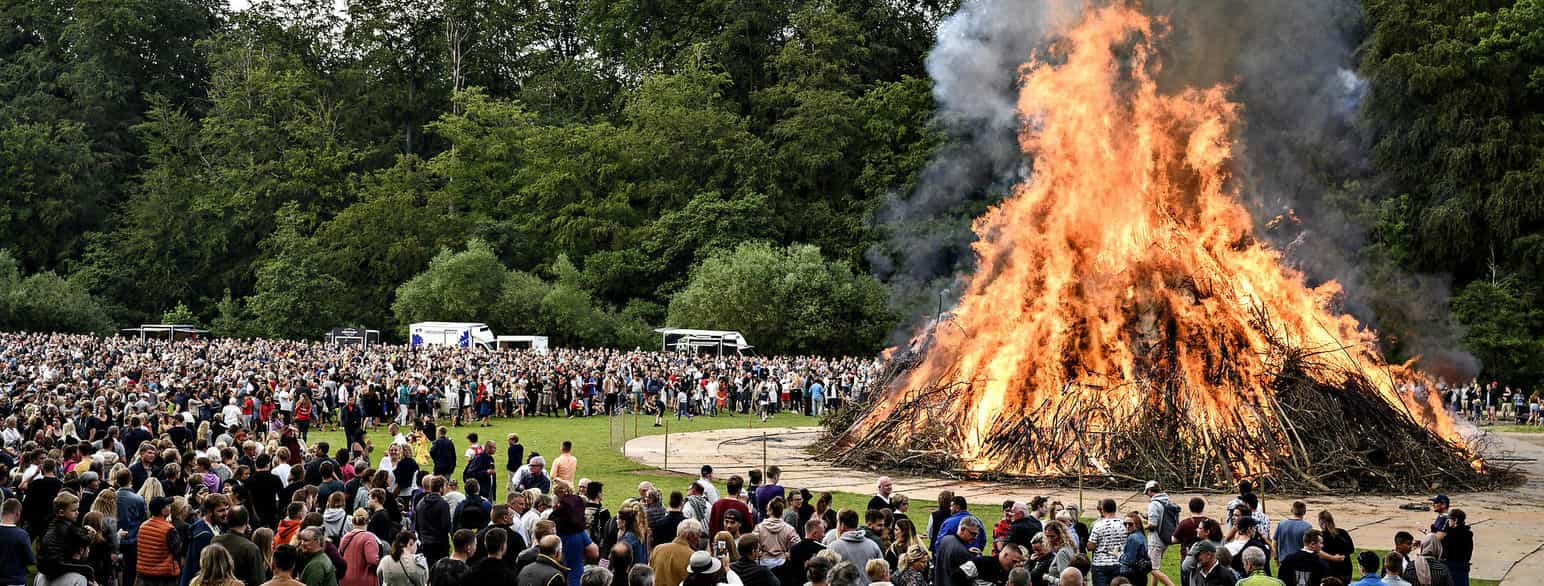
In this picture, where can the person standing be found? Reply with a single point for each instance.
(1289, 533)
(361, 553)
(1368, 562)
(15, 547)
(566, 466)
(131, 514)
(954, 550)
(316, 567)
(514, 458)
(1106, 542)
(1458, 547)
(1338, 547)
(249, 563)
(669, 560)
(881, 499)
(404, 567)
(203, 532)
(1304, 567)
(159, 547)
(432, 518)
(443, 453)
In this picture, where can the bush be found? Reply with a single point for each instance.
(45, 302)
(786, 300)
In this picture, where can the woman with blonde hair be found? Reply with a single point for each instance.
(912, 569)
(215, 568)
(151, 489)
(263, 539)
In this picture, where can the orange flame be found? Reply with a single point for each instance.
(1126, 258)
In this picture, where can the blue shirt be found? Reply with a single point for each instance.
(574, 545)
(817, 391)
(952, 525)
(1289, 537)
(1368, 580)
(1135, 550)
(131, 513)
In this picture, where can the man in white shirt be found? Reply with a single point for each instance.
(706, 482)
(231, 414)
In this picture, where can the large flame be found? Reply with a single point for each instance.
(1126, 263)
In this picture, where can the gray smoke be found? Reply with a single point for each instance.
(1292, 65)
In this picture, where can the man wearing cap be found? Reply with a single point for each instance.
(1439, 504)
(706, 482)
(1208, 571)
(1157, 504)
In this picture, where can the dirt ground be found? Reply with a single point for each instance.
(1508, 524)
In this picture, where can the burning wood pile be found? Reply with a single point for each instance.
(1124, 322)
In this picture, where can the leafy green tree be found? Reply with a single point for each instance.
(46, 302)
(294, 298)
(458, 286)
(785, 300)
(180, 315)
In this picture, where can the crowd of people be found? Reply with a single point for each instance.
(127, 463)
(1494, 403)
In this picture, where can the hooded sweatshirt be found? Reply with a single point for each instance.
(336, 522)
(856, 547)
(776, 537)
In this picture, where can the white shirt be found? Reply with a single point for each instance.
(232, 415)
(708, 490)
(282, 471)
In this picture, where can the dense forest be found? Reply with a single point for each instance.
(588, 169)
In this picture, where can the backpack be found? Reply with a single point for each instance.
(1168, 524)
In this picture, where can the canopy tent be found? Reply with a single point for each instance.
(168, 331)
(703, 341)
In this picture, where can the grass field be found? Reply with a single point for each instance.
(597, 444)
(1514, 428)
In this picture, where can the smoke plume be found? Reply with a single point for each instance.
(1292, 65)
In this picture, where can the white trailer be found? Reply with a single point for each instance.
(537, 343)
(449, 333)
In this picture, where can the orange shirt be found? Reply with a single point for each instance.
(565, 466)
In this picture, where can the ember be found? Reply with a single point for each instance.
(1125, 322)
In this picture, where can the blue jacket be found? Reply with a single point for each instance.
(1135, 550)
(131, 513)
(952, 524)
(202, 536)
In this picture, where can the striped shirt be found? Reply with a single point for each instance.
(1107, 538)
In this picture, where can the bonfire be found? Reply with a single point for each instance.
(1125, 322)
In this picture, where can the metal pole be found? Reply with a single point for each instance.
(763, 452)
(667, 444)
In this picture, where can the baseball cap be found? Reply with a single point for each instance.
(1204, 546)
(1151, 484)
(706, 469)
(1441, 498)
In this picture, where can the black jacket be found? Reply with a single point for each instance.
(432, 519)
(664, 531)
(443, 453)
(753, 574)
(544, 571)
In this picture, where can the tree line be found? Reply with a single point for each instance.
(585, 169)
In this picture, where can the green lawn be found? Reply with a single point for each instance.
(601, 459)
(1514, 428)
